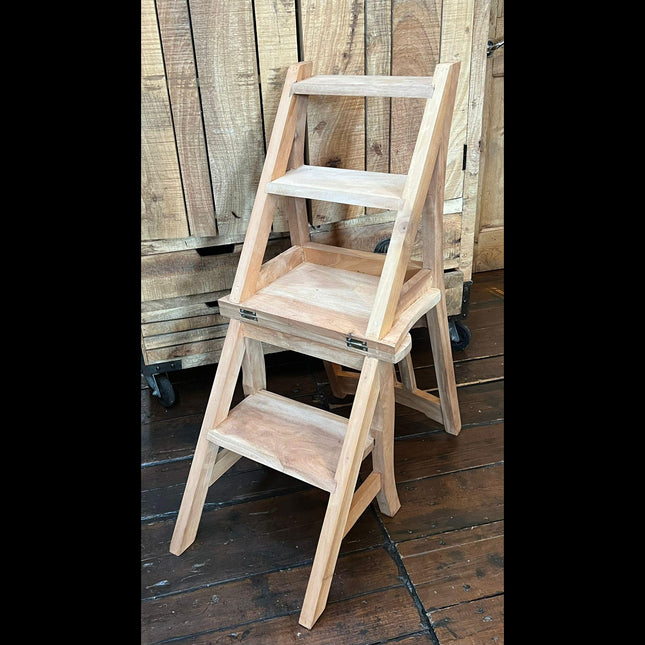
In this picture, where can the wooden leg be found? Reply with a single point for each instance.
(340, 500)
(254, 376)
(437, 319)
(383, 452)
(201, 469)
(407, 373)
(334, 381)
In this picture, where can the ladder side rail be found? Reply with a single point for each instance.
(296, 207)
(275, 165)
(436, 120)
(433, 207)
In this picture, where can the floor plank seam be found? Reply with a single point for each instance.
(163, 462)
(293, 612)
(458, 361)
(465, 426)
(296, 565)
(213, 506)
(451, 472)
(464, 602)
(426, 535)
(405, 578)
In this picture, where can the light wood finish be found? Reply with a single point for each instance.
(442, 353)
(163, 213)
(363, 497)
(205, 128)
(319, 348)
(378, 60)
(347, 307)
(419, 400)
(201, 469)
(420, 87)
(342, 186)
(340, 501)
(225, 459)
(277, 157)
(383, 454)
(332, 37)
(231, 106)
(406, 370)
(333, 376)
(406, 393)
(254, 376)
(437, 113)
(294, 438)
(277, 47)
(296, 209)
(279, 265)
(351, 259)
(183, 91)
(305, 302)
(489, 225)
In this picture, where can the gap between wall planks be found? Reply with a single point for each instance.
(239, 94)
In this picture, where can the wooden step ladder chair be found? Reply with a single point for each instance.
(349, 308)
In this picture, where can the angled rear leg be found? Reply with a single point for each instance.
(439, 333)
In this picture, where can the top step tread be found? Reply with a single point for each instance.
(367, 85)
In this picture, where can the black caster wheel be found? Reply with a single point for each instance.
(459, 335)
(382, 246)
(162, 388)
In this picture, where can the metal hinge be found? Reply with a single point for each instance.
(248, 314)
(491, 47)
(355, 343)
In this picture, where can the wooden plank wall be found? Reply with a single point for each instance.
(212, 73)
(489, 230)
(211, 77)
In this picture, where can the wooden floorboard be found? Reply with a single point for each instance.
(433, 573)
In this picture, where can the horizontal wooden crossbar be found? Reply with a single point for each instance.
(362, 499)
(225, 459)
(374, 85)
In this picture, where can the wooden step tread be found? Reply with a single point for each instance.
(328, 304)
(294, 438)
(421, 87)
(342, 185)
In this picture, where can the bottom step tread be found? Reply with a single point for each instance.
(292, 437)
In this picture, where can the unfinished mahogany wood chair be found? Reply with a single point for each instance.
(350, 308)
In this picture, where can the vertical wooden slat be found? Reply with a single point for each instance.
(275, 24)
(224, 39)
(378, 60)
(473, 177)
(333, 37)
(163, 214)
(456, 44)
(176, 36)
(277, 39)
(416, 30)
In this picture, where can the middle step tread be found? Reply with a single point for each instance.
(286, 435)
(342, 185)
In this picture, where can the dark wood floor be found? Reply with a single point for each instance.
(434, 573)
